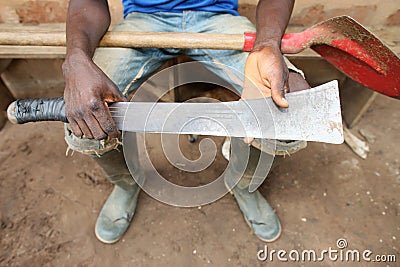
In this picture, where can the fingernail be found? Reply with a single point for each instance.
(284, 100)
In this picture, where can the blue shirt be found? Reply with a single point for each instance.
(152, 6)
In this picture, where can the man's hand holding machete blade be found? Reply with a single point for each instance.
(265, 66)
(266, 73)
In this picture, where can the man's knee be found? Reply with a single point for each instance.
(91, 147)
(297, 82)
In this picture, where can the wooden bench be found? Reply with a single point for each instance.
(35, 71)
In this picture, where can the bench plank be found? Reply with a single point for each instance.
(34, 52)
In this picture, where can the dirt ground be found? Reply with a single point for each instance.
(49, 204)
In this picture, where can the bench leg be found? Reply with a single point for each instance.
(355, 99)
(5, 95)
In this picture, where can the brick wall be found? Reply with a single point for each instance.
(368, 12)
(43, 11)
(306, 12)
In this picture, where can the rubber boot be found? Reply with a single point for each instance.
(117, 212)
(257, 213)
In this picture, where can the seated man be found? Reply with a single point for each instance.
(95, 79)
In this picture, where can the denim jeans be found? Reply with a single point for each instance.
(129, 68)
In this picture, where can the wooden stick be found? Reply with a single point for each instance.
(182, 40)
(358, 146)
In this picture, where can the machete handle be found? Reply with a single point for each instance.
(37, 109)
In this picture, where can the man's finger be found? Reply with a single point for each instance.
(103, 116)
(84, 128)
(74, 127)
(115, 97)
(114, 94)
(278, 93)
(95, 128)
(280, 85)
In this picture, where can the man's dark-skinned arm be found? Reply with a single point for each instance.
(265, 66)
(88, 89)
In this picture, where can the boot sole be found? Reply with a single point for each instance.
(103, 240)
(262, 239)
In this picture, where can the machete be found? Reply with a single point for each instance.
(313, 115)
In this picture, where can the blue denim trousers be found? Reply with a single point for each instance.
(129, 68)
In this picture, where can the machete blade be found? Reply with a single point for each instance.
(313, 115)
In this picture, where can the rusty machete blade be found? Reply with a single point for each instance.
(313, 115)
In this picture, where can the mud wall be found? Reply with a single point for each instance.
(306, 12)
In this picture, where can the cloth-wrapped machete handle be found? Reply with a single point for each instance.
(38, 109)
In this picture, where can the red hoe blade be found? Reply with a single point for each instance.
(352, 49)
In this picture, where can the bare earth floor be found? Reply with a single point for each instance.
(49, 204)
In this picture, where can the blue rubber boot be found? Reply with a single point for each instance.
(257, 213)
(119, 209)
